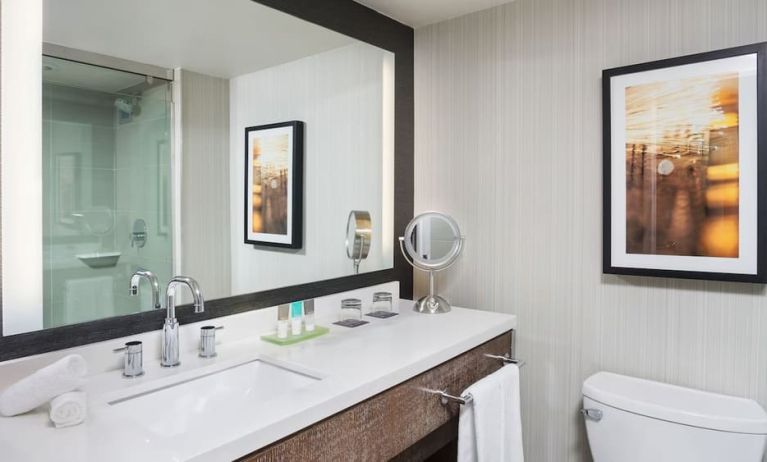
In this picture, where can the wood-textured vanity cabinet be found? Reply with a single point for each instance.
(401, 423)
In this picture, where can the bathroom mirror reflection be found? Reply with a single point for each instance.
(141, 163)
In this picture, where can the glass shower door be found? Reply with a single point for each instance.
(106, 189)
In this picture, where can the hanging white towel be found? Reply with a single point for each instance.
(64, 375)
(490, 427)
(87, 299)
(69, 409)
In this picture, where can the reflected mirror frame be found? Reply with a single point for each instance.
(356, 21)
(363, 234)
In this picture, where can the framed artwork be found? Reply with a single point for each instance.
(274, 184)
(685, 167)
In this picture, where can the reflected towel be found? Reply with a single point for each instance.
(490, 427)
(87, 299)
(64, 375)
(69, 409)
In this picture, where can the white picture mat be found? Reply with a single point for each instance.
(746, 263)
(269, 237)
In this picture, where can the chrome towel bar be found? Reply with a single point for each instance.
(445, 397)
(507, 359)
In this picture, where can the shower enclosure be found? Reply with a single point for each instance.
(106, 188)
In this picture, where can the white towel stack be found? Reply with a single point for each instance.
(69, 409)
(57, 379)
(490, 427)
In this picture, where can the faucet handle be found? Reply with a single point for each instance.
(133, 361)
(208, 341)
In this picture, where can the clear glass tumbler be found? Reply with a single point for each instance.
(351, 308)
(382, 301)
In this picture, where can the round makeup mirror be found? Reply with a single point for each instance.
(432, 242)
(359, 233)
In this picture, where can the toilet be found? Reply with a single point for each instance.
(631, 420)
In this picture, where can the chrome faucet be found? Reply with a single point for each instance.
(149, 276)
(170, 353)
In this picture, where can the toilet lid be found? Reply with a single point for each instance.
(677, 404)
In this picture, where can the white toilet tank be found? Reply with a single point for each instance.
(632, 420)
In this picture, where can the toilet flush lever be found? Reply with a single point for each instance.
(592, 414)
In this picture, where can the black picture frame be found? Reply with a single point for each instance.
(759, 275)
(346, 17)
(296, 173)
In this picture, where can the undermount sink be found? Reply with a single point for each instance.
(175, 409)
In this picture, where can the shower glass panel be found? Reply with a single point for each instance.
(106, 189)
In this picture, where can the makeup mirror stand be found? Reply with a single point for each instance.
(430, 303)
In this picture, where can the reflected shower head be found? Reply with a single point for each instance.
(124, 106)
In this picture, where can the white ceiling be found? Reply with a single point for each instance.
(224, 38)
(417, 13)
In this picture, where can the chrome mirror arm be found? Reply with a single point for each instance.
(358, 257)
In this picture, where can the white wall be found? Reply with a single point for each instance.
(21, 29)
(339, 95)
(508, 140)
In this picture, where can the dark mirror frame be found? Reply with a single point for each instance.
(346, 17)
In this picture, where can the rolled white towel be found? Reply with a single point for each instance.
(64, 375)
(69, 409)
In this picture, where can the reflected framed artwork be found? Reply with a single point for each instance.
(274, 184)
(684, 167)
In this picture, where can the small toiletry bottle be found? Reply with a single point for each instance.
(283, 315)
(296, 311)
(309, 315)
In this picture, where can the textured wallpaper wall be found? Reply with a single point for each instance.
(508, 140)
(204, 238)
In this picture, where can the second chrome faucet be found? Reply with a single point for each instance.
(170, 342)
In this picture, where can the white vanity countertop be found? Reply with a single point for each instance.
(353, 365)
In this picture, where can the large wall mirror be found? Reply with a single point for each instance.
(128, 143)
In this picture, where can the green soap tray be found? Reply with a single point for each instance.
(293, 339)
